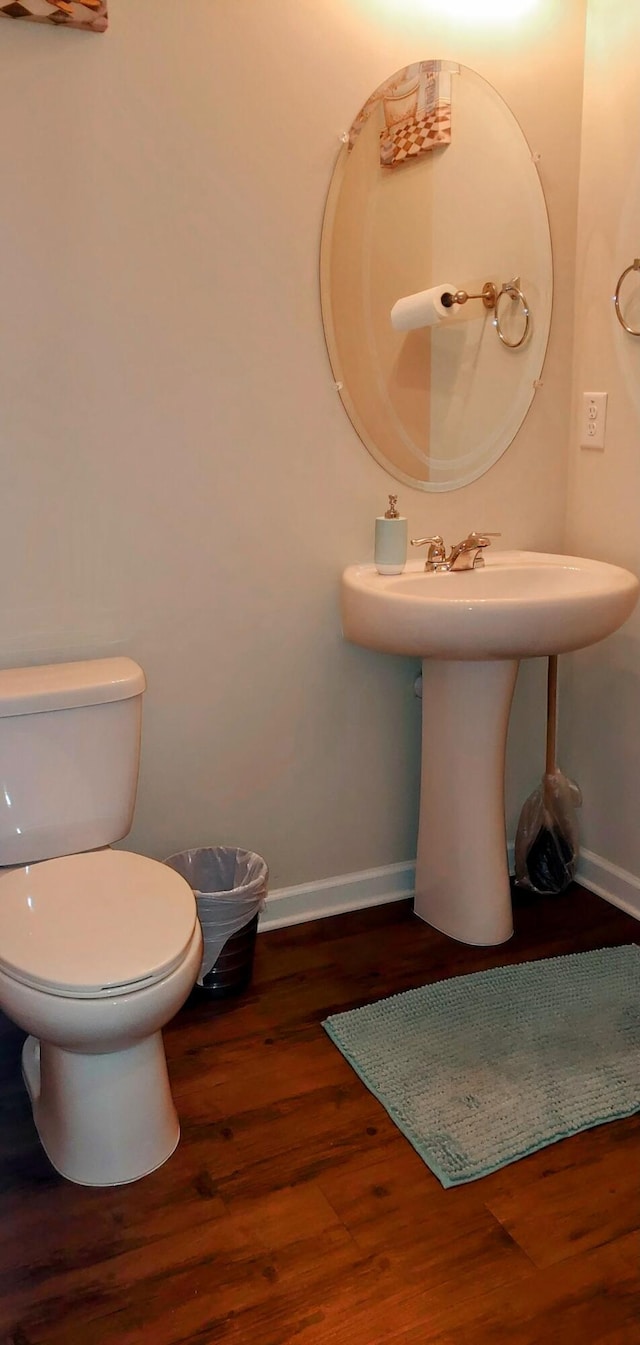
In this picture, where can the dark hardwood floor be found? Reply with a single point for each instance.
(293, 1210)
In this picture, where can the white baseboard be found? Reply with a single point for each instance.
(334, 896)
(607, 880)
(395, 882)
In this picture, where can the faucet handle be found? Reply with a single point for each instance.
(478, 539)
(436, 553)
(428, 541)
(475, 544)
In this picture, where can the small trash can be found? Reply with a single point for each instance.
(230, 888)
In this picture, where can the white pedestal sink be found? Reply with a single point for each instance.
(471, 628)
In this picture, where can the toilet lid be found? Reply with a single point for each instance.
(94, 924)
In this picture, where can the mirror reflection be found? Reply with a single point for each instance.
(435, 199)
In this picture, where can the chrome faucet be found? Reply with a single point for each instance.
(465, 555)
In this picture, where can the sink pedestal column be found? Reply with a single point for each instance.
(462, 874)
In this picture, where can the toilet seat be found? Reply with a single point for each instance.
(94, 925)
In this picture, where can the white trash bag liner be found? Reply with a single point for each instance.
(230, 888)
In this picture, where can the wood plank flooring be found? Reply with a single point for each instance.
(294, 1211)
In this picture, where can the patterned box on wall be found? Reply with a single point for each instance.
(88, 14)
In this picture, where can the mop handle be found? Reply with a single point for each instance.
(552, 702)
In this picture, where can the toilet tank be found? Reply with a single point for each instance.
(69, 756)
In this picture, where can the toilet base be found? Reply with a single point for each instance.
(103, 1120)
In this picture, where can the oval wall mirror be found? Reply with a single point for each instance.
(436, 188)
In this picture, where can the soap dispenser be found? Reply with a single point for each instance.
(390, 553)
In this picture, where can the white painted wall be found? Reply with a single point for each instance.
(179, 480)
(600, 714)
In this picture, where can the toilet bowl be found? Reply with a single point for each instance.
(99, 948)
(94, 987)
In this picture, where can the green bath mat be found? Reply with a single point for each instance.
(480, 1070)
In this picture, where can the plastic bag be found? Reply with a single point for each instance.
(230, 888)
(547, 837)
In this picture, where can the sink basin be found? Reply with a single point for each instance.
(520, 604)
(470, 629)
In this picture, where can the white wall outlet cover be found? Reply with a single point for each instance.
(593, 420)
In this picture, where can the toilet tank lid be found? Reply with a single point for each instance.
(67, 686)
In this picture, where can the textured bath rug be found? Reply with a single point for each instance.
(480, 1070)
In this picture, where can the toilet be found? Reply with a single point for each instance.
(99, 948)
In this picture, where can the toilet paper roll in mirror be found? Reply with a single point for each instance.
(422, 310)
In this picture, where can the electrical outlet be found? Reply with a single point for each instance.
(594, 419)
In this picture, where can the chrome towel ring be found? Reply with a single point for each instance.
(512, 289)
(635, 266)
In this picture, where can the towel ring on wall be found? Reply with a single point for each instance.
(635, 266)
(512, 288)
